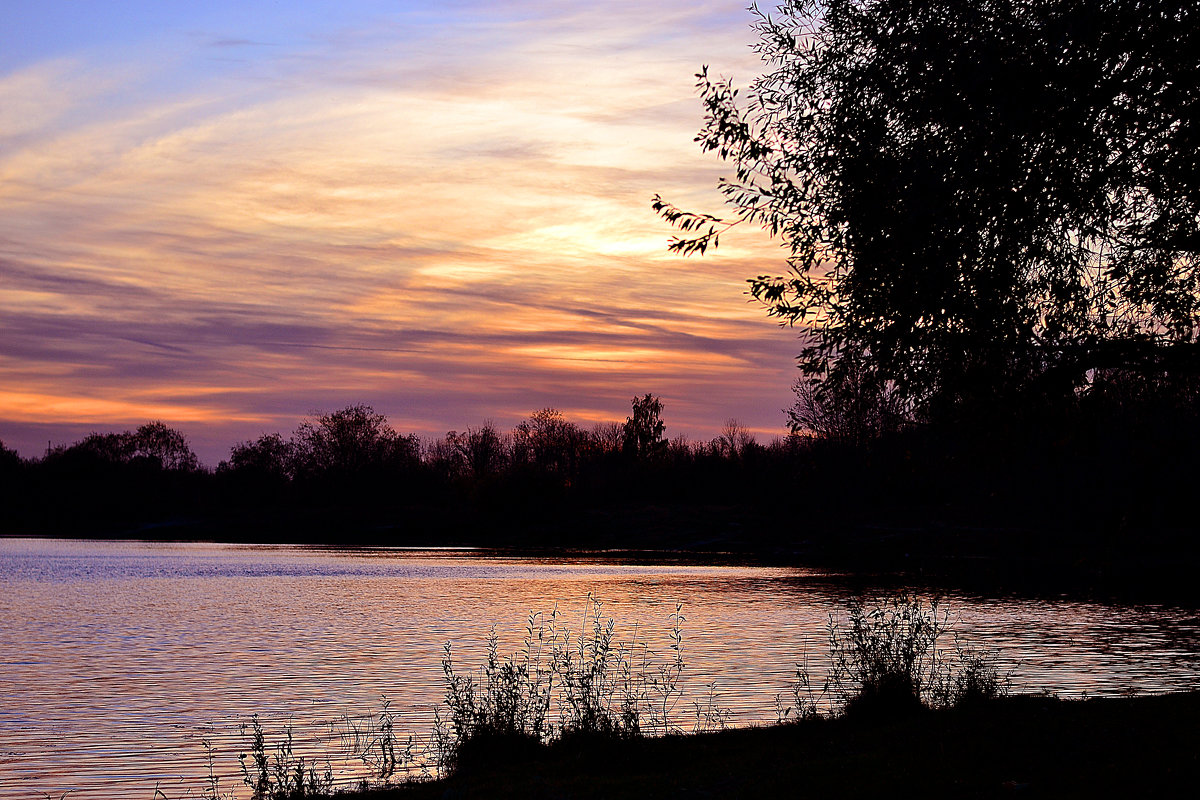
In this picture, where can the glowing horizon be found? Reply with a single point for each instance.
(233, 217)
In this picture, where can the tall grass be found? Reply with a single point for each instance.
(806, 700)
(280, 774)
(375, 744)
(600, 686)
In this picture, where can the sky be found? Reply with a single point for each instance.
(229, 216)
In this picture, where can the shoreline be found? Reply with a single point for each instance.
(997, 560)
(1033, 746)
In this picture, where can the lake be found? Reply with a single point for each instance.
(119, 661)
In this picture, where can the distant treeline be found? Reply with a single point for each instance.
(1116, 467)
(350, 466)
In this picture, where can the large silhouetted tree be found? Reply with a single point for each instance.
(350, 442)
(548, 441)
(643, 433)
(977, 197)
(164, 447)
(480, 450)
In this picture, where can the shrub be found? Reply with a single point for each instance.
(600, 694)
(603, 687)
(505, 708)
(974, 679)
(885, 660)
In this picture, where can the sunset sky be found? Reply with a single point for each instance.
(228, 216)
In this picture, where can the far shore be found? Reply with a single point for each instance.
(1157, 565)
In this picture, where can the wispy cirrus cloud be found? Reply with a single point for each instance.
(445, 217)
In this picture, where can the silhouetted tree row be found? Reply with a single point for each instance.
(351, 465)
(1115, 469)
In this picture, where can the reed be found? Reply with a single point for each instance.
(280, 774)
(374, 742)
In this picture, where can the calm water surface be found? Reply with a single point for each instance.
(119, 659)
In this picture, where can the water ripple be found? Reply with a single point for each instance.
(121, 659)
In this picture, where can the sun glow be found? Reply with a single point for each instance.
(460, 213)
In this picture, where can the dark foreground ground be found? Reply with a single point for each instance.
(1017, 747)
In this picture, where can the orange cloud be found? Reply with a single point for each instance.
(450, 228)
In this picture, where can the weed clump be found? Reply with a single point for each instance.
(885, 661)
(602, 687)
(972, 680)
(282, 775)
(502, 714)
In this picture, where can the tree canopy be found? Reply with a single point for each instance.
(643, 430)
(153, 445)
(976, 196)
(351, 441)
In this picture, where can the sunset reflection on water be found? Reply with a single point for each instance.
(118, 658)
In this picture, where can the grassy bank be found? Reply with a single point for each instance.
(1019, 746)
(903, 715)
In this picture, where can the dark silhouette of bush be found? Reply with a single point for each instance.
(887, 662)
